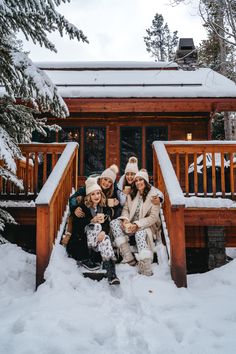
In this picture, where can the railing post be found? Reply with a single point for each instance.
(76, 169)
(155, 174)
(43, 248)
(178, 253)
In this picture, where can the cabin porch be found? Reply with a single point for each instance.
(190, 212)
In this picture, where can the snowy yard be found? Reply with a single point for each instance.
(70, 314)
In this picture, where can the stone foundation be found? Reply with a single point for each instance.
(216, 246)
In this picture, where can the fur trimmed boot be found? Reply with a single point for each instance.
(111, 273)
(123, 245)
(145, 262)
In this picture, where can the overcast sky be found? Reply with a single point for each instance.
(115, 29)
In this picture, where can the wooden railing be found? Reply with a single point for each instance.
(35, 167)
(205, 168)
(173, 208)
(202, 169)
(51, 204)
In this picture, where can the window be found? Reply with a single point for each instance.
(94, 150)
(152, 134)
(69, 134)
(130, 145)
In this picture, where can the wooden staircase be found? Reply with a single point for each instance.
(49, 173)
(55, 167)
(186, 217)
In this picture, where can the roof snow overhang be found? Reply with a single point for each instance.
(140, 87)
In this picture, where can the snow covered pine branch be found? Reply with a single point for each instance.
(21, 81)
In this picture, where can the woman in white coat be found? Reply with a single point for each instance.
(140, 217)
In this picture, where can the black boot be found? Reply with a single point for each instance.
(89, 263)
(111, 274)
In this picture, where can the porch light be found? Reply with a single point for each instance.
(189, 136)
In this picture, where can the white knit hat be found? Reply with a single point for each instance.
(110, 172)
(92, 185)
(142, 174)
(132, 165)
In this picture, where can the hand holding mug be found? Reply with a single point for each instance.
(133, 228)
(127, 227)
(127, 190)
(79, 212)
(101, 236)
(155, 200)
(100, 218)
(116, 202)
(111, 202)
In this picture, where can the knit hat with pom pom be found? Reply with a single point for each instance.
(92, 185)
(132, 165)
(142, 174)
(110, 172)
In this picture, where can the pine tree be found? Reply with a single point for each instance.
(218, 51)
(21, 79)
(159, 41)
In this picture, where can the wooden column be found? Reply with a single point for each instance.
(178, 255)
(155, 167)
(112, 145)
(43, 250)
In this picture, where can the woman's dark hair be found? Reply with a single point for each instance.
(145, 192)
(125, 183)
(107, 192)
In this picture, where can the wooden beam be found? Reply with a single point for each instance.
(150, 104)
(210, 217)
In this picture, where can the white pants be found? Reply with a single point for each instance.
(140, 237)
(104, 246)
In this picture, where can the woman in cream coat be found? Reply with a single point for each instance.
(140, 217)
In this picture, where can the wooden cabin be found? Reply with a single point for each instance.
(118, 109)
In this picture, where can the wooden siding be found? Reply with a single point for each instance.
(150, 104)
(178, 126)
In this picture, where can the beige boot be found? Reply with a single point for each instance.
(127, 255)
(123, 245)
(145, 267)
(145, 262)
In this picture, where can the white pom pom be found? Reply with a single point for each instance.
(114, 168)
(133, 159)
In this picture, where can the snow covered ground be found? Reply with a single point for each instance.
(70, 314)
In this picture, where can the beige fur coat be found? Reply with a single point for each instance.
(148, 216)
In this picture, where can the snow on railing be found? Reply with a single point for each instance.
(172, 184)
(199, 142)
(52, 182)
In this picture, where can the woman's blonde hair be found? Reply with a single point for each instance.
(88, 203)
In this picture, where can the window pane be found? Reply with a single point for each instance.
(152, 134)
(68, 134)
(94, 150)
(130, 145)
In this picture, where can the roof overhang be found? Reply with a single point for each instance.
(150, 105)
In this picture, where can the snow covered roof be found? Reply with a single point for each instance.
(136, 79)
(105, 65)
